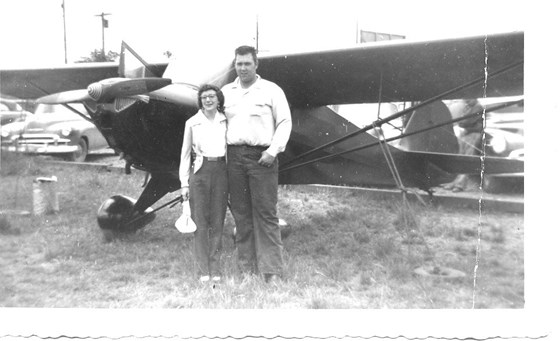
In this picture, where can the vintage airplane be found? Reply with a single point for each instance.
(141, 110)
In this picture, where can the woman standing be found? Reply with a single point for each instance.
(204, 179)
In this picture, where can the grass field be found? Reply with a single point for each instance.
(344, 251)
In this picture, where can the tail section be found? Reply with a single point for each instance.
(437, 140)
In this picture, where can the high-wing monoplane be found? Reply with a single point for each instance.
(141, 109)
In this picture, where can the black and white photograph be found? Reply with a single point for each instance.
(277, 169)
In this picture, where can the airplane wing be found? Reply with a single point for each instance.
(38, 82)
(34, 83)
(401, 70)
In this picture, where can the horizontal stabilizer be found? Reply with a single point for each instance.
(469, 164)
(72, 96)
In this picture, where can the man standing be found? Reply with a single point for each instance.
(259, 126)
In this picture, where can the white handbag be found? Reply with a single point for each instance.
(185, 224)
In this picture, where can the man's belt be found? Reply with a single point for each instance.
(214, 158)
(261, 148)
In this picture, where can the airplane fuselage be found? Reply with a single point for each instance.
(150, 137)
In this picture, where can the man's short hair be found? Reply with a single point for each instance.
(244, 50)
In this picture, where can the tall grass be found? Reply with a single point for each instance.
(345, 250)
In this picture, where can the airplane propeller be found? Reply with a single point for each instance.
(107, 90)
(71, 96)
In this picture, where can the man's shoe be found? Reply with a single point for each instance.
(204, 279)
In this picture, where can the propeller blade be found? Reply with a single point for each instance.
(126, 87)
(65, 97)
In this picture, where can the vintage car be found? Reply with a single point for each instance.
(505, 138)
(54, 130)
(11, 111)
(505, 135)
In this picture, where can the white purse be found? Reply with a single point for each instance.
(185, 224)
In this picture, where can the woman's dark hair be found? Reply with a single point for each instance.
(219, 93)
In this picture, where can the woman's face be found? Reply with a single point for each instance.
(209, 100)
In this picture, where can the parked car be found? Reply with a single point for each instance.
(11, 111)
(54, 130)
(505, 138)
(505, 135)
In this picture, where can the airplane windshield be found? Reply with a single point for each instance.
(192, 68)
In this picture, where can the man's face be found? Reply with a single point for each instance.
(246, 69)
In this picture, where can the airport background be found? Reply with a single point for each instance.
(33, 32)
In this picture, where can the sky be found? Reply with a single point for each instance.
(33, 33)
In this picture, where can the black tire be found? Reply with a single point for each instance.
(81, 153)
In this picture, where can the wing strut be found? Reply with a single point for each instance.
(172, 202)
(66, 105)
(408, 219)
(380, 122)
(387, 153)
(455, 120)
(406, 215)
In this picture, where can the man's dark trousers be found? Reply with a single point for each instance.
(253, 193)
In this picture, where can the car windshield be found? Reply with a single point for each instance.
(59, 109)
(9, 106)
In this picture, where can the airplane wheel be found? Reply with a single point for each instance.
(81, 153)
(115, 212)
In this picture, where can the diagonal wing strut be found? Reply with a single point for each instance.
(380, 122)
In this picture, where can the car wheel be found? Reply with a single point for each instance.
(80, 154)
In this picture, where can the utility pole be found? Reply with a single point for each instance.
(64, 23)
(104, 24)
(257, 35)
(358, 33)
